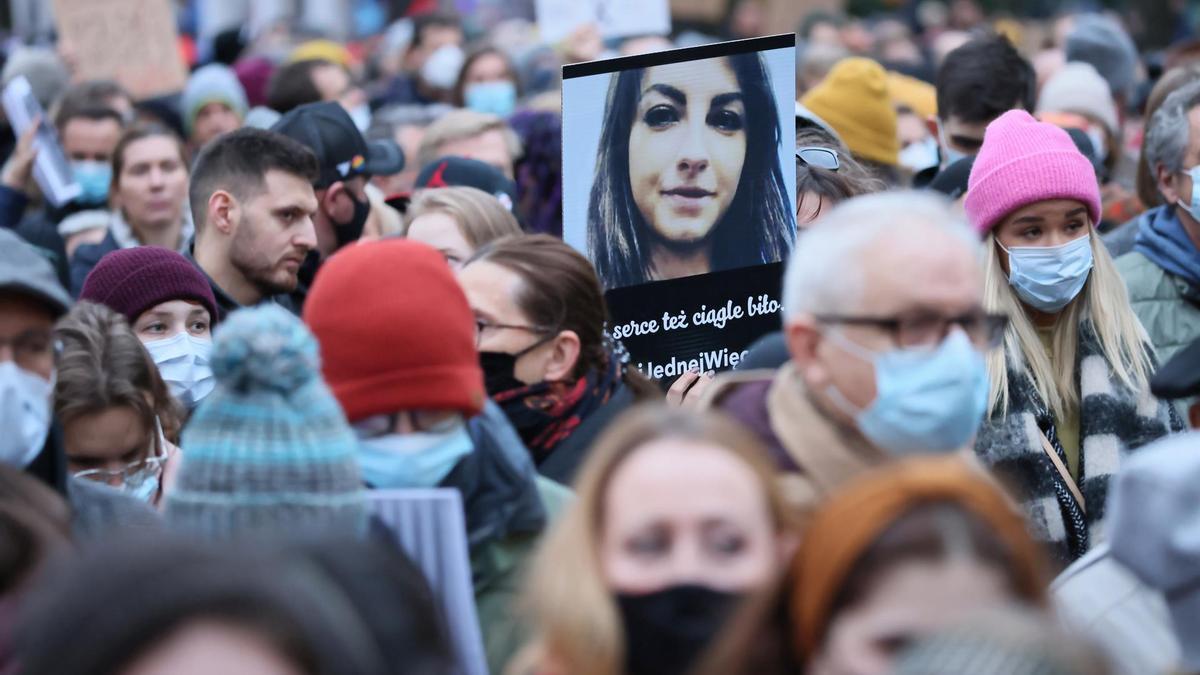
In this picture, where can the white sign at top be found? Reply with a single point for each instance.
(557, 19)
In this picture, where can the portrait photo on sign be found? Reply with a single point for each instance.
(679, 163)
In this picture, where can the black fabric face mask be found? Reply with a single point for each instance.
(348, 233)
(667, 630)
(498, 370)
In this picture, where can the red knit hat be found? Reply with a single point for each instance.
(132, 280)
(395, 331)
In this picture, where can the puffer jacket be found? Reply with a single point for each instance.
(1167, 305)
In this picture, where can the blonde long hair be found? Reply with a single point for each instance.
(1103, 300)
(578, 629)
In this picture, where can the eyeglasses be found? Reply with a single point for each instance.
(422, 421)
(132, 475)
(482, 324)
(31, 348)
(822, 158)
(927, 330)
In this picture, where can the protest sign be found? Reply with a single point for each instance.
(779, 13)
(557, 19)
(131, 41)
(679, 186)
(704, 11)
(428, 524)
(50, 168)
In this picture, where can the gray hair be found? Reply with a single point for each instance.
(386, 120)
(824, 273)
(1167, 136)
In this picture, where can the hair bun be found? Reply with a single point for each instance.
(264, 348)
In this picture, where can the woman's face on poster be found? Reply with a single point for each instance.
(687, 147)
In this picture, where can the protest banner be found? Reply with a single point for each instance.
(785, 14)
(679, 185)
(428, 524)
(131, 41)
(557, 19)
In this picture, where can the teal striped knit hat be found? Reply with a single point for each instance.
(269, 451)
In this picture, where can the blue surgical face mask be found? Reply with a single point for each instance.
(927, 400)
(948, 153)
(1193, 207)
(1099, 144)
(441, 67)
(25, 414)
(361, 115)
(142, 488)
(920, 155)
(94, 179)
(415, 460)
(498, 98)
(1047, 278)
(183, 361)
(144, 485)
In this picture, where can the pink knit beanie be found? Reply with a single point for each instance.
(1024, 161)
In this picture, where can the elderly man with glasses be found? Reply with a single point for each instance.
(31, 300)
(887, 336)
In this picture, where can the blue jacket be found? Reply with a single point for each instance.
(86, 257)
(37, 227)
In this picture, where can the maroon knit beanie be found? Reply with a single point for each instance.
(132, 280)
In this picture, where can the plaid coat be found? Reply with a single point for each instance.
(1114, 421)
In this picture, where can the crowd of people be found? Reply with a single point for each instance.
(330, 272)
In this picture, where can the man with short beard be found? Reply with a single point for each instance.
(253, 204)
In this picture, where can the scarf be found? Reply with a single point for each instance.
(123, 234)
(1114, 422)
(1162, 239)
(547, 413)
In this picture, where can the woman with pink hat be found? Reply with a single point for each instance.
(1069, 393)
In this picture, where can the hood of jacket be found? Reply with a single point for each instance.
(1162, 238)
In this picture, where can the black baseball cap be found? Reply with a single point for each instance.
(451, 171)
(1180, 376)
(952, 179)
(342, 152)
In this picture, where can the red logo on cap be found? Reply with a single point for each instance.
(437, 180)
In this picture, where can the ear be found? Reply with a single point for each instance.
(803, 337)
(1194, 416)
(563, 355)
(1168, 184)
(931, 125)
(334, 207)
(224, 212)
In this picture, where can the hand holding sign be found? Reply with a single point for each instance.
(19, 167)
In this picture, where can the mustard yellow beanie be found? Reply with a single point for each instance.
(920, 96)
(855, 101)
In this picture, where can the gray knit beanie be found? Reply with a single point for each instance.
(269, 451)
(214, 83)
(1003, 641)
(1102, 42)
(46, 73)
